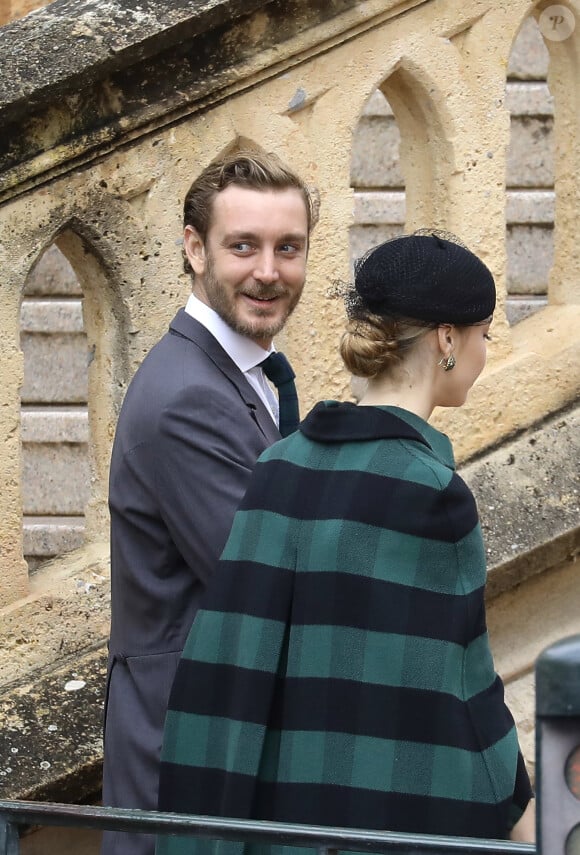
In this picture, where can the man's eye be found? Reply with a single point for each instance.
(242, 247)
(289, 248)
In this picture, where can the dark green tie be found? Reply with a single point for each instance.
(277, 369)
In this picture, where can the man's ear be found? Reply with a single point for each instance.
(445, 335)
(194, 249)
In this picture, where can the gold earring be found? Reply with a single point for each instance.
(447, 362)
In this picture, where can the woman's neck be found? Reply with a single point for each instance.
(412, 396)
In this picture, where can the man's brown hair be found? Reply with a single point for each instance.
(252, 169)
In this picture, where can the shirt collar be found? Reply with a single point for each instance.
(241, 349)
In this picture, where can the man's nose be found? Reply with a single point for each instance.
(266, 269)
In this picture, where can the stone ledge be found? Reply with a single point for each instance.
(51, 728)
(374, 207)
(55, 425)
(518, 308)
(528, 495)
(65, 612)
(55, 635)
(530, 206)
(162, 61)
(529, 99)
(46, 53)
(51, 535)
(51, 316)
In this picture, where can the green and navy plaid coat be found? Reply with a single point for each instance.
(339, 672)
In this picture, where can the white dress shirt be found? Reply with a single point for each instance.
(242, 350)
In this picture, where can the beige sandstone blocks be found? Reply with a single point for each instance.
(56, 356)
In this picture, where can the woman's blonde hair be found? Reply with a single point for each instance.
(373, 344)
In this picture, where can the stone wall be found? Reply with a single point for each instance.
(106, 115)
(55, 426)
(55, 430)
(10, 10)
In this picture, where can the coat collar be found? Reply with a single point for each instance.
(333, 421)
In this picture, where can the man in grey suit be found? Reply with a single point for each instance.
(196, 416)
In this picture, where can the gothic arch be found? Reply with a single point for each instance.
(94, 239)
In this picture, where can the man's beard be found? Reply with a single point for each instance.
(223, 303)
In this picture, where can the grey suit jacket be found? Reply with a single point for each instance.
(189, 433)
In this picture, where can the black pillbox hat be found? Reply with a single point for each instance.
(425, 277)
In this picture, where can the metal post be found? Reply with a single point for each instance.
(558, 748)
(9, 839)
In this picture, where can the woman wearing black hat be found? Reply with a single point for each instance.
(339, 672)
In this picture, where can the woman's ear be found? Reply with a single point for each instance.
(445, 335)
(194, 248)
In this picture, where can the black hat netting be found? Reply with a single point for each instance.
(424, 276)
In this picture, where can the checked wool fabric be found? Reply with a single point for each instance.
(339, 671)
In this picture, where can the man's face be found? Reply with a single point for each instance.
(252, 266)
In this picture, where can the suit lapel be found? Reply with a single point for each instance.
(187, 327)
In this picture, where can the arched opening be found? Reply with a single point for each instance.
(529, 175)
(376, 177)
(54, 410)
(403, 157)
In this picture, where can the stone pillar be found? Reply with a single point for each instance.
(13, 569)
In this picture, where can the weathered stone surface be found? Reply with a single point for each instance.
(379, 208)
(51, 316)
(92, 39)
(52, 276)
(45, 537)
(55, 424)
(377, 105)
(529, 58)
(196, 53)
(363, 238)
(51, 744)
(12, 9)
(537, 614)
(55, 478)
(55, 368)
(528, 494)
(529, 99)
(530, 206)
(375, 153)
(519, 308)
(530, 252)
(531, 152)
(65, 613)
